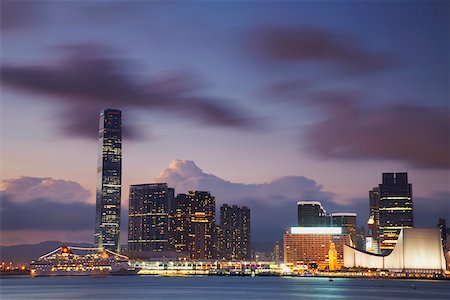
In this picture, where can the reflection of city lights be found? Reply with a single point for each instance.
(285, 269)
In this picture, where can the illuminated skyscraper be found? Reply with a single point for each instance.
(109, 178)
(149, 219)
(396, 208)
(235, 232)
(195, 225)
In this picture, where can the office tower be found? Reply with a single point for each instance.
(396, 208)
(311, 214)
(442, 224)
(109, 178)
(149, 221)
(200, 224)
(373, 224)
(308, 247)
(235, 228)
(347, 221)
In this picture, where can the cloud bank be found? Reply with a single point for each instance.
(25, 189)
(332, 49)
(416, 135)
(90, 77)
(273, 204)
(44, 207)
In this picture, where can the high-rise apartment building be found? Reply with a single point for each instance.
(182, 223)
(109, 180)
(195, 226)
(235, 232)
(149, 219)
(396, 208)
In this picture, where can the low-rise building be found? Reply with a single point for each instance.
(308, 247)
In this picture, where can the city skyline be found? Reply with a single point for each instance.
(268, 121)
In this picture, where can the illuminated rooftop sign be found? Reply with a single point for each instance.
(316, 230)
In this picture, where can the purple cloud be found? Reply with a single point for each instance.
(406, 132)
(313, 44)
(25, 189)
(45, 204)
(45, 214)
(89, 78)
(18, 14)
(272, 204)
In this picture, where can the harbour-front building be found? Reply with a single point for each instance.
(309, 247)
(234, 232)
(149, 219)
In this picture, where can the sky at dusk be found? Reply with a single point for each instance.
(262, 103)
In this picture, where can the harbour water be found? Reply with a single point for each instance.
(215, 287)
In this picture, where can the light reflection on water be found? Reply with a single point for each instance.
(219, 288)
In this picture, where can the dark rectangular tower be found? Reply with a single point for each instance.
(312, 214)
(396, 208)
(373, 224)
(149, 218)
(109, 180)
(235, 232)
(195, 227)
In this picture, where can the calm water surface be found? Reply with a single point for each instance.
(198, 287)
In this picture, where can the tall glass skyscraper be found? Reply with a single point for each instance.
(109, 179)
(396, 208)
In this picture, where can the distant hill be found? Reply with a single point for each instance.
(24, 254)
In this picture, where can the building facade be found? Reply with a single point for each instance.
(442, 225)
(347, 221)
(235, 232)
(309, 247)
(109, 181)
(418, 250)
(373, 224)
(196, 225)
(149, 219)
(311, 214)
(396, 208)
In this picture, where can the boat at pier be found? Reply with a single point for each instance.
(67, 260)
